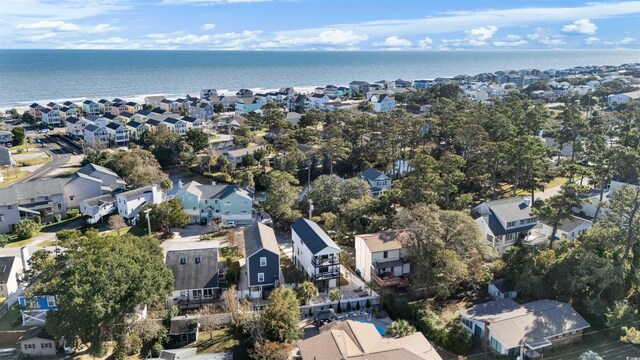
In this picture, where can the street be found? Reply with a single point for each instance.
(60, 156)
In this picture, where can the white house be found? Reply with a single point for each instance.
(502, 289)
(503, 222)
(10, 266)
(315, 253)
(97, 136)
(131, 202)
(381, 257)
(236, 156)
(382, 103)
(379, 182)
(616, 99)
(118, 134)
(176, 125)
(50, 117)
(96, 208)
(75, 126)
(511, 329)
(90, 107)
(570, 228)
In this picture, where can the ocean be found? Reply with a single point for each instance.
(45, 75)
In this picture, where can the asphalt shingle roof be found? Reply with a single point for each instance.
(258, 237)
(190, 274)
(313, 236)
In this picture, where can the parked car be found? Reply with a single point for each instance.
(228, 224)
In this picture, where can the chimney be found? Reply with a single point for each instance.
(213, 183)
(180, 184)
(24, 254)
(526, 202)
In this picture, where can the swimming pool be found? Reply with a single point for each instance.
(381, 329)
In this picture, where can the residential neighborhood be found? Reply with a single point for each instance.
(489, 216)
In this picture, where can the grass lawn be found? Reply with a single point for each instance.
(34, 161)
(12, 177)
(21, 149)
(223, 340)
(506, 188)
(289, 271)
(9, 318)
(19, 243)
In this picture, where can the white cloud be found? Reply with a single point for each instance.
(210, 2)
(394, 41)
(425, 43)
(163, 35)
(59, 10)
(223, 41)
(591, 40)
(582, 26)
(464, 20)
(101, 28)
(624, 41)
(50, 25)
(482, 33)
(510, 41)
(544, 37)
(36, 38)
(334, 37)
(206, 27)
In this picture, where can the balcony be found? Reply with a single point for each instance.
(331, 260)
(388, 279)
(332, 274)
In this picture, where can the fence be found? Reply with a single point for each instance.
(11, 336)
(362, 301)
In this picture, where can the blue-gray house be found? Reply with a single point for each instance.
(34, 309)
(263, 259)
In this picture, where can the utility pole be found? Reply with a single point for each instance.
(310, 208)
(148, 221)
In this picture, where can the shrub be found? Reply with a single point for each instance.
(400, 328)
(156, 349)
(622, 313)
(339, 309)
(334, 295)
(458, 339)
(57, 217)
(310, 311)
(349, 306)
(358, 305)
(72, 213)
(368, 304)
(26, 228)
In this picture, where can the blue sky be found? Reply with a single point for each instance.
(319, 25)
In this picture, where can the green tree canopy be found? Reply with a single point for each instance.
(282, 315)
(99, 283)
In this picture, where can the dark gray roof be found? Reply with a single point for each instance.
(568, 225)
(109, 116)
(258, 237)
(510, 209)
(189, 274)
(126, 114)
(91, 128)
(113, 126)
(171, 120)
(373, 174)
(189, 119)
(503, 285)
(134, 124)
(312, 235)
(497, 229)
(36, 333)
(143, 112)
(92, 117)
(183, 325)
(6, 263)
(5, 157)
(72, 120)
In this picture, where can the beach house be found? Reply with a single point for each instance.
(315, 253)
(207, 202)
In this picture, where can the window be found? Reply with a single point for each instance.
(243, 212)
(46, 198)
(227, 203)
(227, 212)
(260, 277)
(45, 345)
(59, 205)
(467, 323)
(29, 346)
(10, 207)
(206, 202)
(208, 293)
(51, 301)
(184, 337)
(263, 261)
(511, 224)
(496, 345)
(197, 259)
(183, 261)
(1, 217)
(197, 294)
(385, 254)
(194, 208)
(71, 197)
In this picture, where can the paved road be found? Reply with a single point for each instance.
(59, 154)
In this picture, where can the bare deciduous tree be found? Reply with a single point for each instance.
(117, 223)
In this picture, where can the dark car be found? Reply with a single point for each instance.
(324, 316)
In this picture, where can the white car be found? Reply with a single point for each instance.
(228, 224)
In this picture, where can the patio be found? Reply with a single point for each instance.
(349, 292)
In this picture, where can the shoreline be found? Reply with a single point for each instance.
(24, 105)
